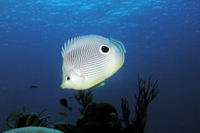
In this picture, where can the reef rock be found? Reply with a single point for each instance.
(102, 116)
(33, 129)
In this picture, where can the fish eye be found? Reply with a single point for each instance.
(68, 78)
(104, 49)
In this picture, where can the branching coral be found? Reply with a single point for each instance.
(146, 95)
(31, 120)
(125, 111)
(143, 99)
(83, 98)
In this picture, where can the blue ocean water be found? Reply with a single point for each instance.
(162, 37)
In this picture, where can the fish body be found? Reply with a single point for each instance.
(15, 115)
(33, 86)
(69, 108)
(70, 97)
(89, 60)
(62, 113)
(63, 102)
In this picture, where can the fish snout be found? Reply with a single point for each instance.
(66, 85)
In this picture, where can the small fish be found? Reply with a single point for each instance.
(89, 60)
(69, 108)
(70, 97)
(64, 102)
(62, 113)
(32, 87)
(16, 114)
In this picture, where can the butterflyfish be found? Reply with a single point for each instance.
(89, 60)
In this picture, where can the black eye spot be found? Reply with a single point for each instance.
(68, 78)
(104, 49)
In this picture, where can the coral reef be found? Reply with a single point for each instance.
(101, 117)
(31, 120)
(83, 98)
(145, 96)
(67, 128)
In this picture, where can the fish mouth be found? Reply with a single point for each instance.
(62, 86)
(66, 85)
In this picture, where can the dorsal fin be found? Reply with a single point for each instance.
(67, 46)
(119, 45)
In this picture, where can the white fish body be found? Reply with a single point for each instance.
(89, 60)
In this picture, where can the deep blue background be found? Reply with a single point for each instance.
(161, 37)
